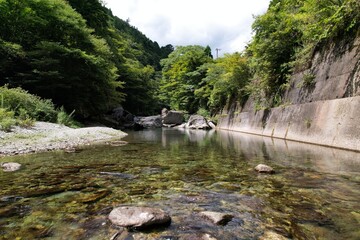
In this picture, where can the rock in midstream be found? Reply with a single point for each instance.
(10, 166)
(217, 218)
(270, 235)
(139, 217)
(262, 168)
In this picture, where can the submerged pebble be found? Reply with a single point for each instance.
(217, 218)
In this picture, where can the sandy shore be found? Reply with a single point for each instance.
(49, 136)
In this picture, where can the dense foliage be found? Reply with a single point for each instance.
(18, 107)
(288, 34)
(285, 39)
(77, 54)
(182, 74)
(80, 56)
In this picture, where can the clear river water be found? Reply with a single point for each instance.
(314, 194)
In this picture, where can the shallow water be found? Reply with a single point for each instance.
(313, 195)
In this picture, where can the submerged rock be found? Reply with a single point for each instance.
(139, 217)
(10, 166)
(262, 168)
(217, 218)
(197, 236)
(118, 143)
(270, 235)
(118, 174)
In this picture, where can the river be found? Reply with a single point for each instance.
(314, 193)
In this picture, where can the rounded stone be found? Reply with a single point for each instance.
(10, 166)
(217, 218)
(139, 217)
(262, 168)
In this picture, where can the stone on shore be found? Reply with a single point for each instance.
(217, 218)
(172, 117)
(262, 168)
(10, 166)
(197, 122)
(150, 122)
(212, 125)
(139, 217)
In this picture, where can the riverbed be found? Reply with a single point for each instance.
(314, 193)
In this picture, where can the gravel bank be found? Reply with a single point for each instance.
(45, 136)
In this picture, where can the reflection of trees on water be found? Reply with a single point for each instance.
(255, 148)
(290, 153)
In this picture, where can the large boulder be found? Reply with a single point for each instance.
(150, 122)
(172, 117)
(118, 113)
(10, 166)
(197, 122)
(139, 217)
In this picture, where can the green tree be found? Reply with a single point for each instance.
(60, 56)
(287, 36)
(181, 77)
(225, 81)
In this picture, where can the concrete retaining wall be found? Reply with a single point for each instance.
(334, 123)
(325, 113)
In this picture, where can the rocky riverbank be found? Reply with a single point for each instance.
(49, 136)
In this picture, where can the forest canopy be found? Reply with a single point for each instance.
(83, 58)
(285, 39)
(79, 55)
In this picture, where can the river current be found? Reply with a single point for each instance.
(314, 193)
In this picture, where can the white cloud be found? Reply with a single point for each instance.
(224, 24)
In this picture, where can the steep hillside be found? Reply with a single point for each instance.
(321, 105)
(79, 55)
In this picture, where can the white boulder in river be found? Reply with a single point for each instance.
(139, 217)
(10, 166)
(262, 168)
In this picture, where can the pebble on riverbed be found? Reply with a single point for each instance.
(10, 166)
(139, 217)
(217, 218)
(262, 168)
(270, 235)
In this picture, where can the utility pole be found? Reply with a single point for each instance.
(217, 52)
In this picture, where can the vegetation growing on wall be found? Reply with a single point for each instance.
(285, 39)
(288, 34)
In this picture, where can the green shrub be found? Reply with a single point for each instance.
(66, 119)
(7, 119)
(203, 112)
(23, 104)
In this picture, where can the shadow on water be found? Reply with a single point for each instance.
(314, 193)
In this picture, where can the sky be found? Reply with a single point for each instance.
(222, 24)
